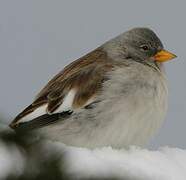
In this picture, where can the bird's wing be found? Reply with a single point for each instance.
(72, 88)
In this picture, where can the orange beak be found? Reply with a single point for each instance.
(163, 56)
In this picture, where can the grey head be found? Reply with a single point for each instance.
(139, 44)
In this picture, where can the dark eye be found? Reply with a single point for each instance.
(144, 47)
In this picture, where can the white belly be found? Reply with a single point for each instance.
(129, 114)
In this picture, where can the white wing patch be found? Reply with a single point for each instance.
(65, 106)
(38, 112)
(67, 102)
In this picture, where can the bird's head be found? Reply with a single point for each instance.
(140, 44)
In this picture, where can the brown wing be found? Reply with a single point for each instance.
(85, 75)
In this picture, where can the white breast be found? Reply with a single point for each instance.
(133, 106)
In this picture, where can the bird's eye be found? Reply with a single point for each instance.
(144, 47)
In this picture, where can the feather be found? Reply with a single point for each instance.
(41, 121)
(85, 75)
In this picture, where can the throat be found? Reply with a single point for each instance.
(152, 64)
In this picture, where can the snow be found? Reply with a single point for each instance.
(11, 161)
(135, 163)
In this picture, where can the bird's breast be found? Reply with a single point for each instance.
(135, 105)
(130, 108)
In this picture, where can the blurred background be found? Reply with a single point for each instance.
(39, 37)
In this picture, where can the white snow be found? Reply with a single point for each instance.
(136, 163)
(132, 164)
(11, 161)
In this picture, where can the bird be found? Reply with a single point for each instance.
(115, 95)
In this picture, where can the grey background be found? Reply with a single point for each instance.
(39, 37)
